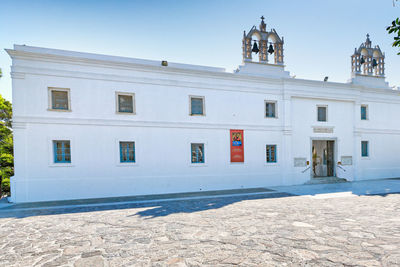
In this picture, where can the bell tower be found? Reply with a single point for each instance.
(262, 52)
(368, 64)
(265, 44)
(368, 60)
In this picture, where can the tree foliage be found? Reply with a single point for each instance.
(6, 146)
(395, 28)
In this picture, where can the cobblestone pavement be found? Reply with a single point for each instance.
(260, 230)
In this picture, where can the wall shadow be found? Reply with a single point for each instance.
(158, 206)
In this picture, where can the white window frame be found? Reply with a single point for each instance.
(117, 103)
(276, 108)
(190, 105)
(189, 153)
(51, 151)
(368, 149)
(367, 110)
(326, 113)
(117, 160)
(50, 97)
(276, 154)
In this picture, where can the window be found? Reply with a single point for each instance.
(59, 99)
(322, 113)
(196, 105)
(271, 153)
(62, 151)
(364, 112)
(270, 109)
(127, 151)
(197, 153)
(364, 149)
(125, 103)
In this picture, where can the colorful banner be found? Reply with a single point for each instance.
(236, 144)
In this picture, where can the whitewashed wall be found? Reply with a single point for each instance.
(163, 130)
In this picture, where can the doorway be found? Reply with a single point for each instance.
(323, 158)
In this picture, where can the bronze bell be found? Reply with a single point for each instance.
(255, 48)
(362, 61)
(271, 49)
(374, 64)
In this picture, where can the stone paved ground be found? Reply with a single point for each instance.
(261, 230)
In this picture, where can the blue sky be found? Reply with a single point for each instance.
(319, 35)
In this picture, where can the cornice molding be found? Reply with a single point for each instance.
(87, 59)
(131, 123)
(17, 75)
(251, 87)
(359, 131)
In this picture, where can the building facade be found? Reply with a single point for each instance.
(92, 126)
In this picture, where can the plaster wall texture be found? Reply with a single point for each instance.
(162, 128)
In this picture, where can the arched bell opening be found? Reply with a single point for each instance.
(275, 47)
(255, 47)
(365, 61)
(378, 63)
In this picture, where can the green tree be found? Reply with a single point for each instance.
(6, 146)
(395, 28)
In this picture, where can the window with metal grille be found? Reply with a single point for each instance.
(197, 153)
(127, 151)
(196, 106)
(62, 151)
(364, 112)
(270, 110)
(364, 149)
(271, 153)
(59, 100)
(321, 113)
(125, 103)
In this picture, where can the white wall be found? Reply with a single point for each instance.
(163, 130)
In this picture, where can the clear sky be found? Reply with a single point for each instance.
(320, 35)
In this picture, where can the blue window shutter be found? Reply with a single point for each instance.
(363, 112)
(197, 106)
(120, 152)
(271, 153)
(364, 149)
(197, 153)
(62, 151)
(127, 152)
(270, 110)
(55, 150)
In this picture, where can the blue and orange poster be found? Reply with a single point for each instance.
(236, 144)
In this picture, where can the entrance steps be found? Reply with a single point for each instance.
(326, 180)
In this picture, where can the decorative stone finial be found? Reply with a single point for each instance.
(368, 42)
(263, 26)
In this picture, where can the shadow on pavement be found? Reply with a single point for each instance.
(164, 205)
(157, 207)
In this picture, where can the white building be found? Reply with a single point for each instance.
(92, 126)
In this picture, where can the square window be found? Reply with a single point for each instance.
(127, 151)
(197, 153)
(271, 153)
(59, 99)
(364, 149)
(364, 114)
(322, 113)
(270, 109)
(125, 103)
(62, 151)
(196, 105)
